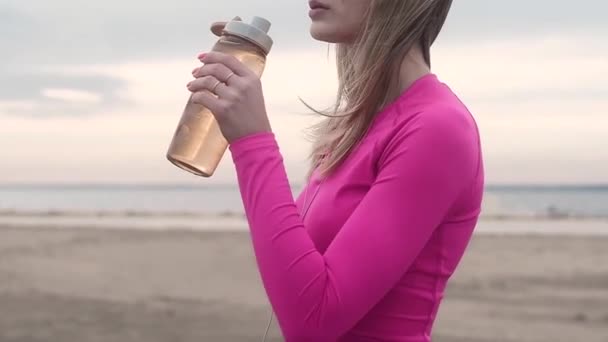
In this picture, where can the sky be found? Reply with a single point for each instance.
(91, 92)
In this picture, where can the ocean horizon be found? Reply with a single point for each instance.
(509, 208)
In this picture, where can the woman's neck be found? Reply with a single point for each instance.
(412, 68)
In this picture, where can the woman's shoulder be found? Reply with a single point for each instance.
(428, 101)
(433, 110)
(432, 122)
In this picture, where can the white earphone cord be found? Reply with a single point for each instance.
(305, 211)
(268, 326)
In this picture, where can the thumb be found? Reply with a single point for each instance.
(218, 26)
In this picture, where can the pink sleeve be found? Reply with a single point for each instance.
(319, 297)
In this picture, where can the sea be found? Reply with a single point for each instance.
(507, 209)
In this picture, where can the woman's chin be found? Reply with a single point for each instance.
(326, 32)
(317, 33)
(320, 32)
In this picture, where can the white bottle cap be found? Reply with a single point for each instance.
(256, 32)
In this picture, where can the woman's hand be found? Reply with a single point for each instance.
(232, 92)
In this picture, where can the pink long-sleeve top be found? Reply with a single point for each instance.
(371, 258)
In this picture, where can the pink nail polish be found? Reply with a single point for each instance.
(202, 55)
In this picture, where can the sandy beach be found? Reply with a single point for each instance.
(133, 285)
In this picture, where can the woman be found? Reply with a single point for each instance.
(365, 252)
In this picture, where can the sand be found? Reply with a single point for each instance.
(124, 285)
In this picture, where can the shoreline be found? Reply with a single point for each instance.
(561, 227)
(56, 213)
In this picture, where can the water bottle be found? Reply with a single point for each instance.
(198, 144)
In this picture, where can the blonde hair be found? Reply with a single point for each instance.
(367, 71)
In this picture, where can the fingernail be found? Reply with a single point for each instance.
(194, 70)
(202, 55)
(188, 85)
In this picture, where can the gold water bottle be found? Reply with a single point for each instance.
(198, 144)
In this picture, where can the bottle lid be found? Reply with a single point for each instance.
(256, 32)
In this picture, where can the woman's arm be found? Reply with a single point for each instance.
(319, 297)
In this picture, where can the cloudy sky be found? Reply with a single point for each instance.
(92, 91)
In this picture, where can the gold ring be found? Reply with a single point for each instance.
(227, 78)
(215, 86)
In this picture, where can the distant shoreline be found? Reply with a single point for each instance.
(9, 213)
(514, 227)
(203, 185)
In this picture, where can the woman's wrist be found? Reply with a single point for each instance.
(251, 142)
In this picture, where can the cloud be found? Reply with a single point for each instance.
(47, 94)
(66, 35)
(483, 19)
(527, 96)
(43, 41)
(77, 32)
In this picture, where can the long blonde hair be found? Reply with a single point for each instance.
(367, 71)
